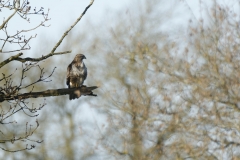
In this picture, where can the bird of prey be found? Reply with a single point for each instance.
(76, 74)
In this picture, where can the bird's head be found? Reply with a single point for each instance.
(79, 57)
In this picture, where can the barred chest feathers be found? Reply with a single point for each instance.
(79, 70)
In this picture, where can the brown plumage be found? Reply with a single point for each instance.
(76, 74)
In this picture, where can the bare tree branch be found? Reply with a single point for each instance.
(32, 146)
(10, 59)
(84, 91)
(5, 22)
(41, 58)
(17, 58)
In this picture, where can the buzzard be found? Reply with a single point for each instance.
(76, 74)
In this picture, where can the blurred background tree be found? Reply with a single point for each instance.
(164, 93)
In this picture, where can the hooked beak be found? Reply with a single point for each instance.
(84, 57)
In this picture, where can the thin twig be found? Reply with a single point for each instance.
(40, 58)
(4, 23)
(66, 33)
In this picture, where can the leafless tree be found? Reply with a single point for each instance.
(171, 95)
(14, 91)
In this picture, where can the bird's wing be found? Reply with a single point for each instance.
(69, 68)
(85, 72)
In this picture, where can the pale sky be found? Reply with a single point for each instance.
(63, 14)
